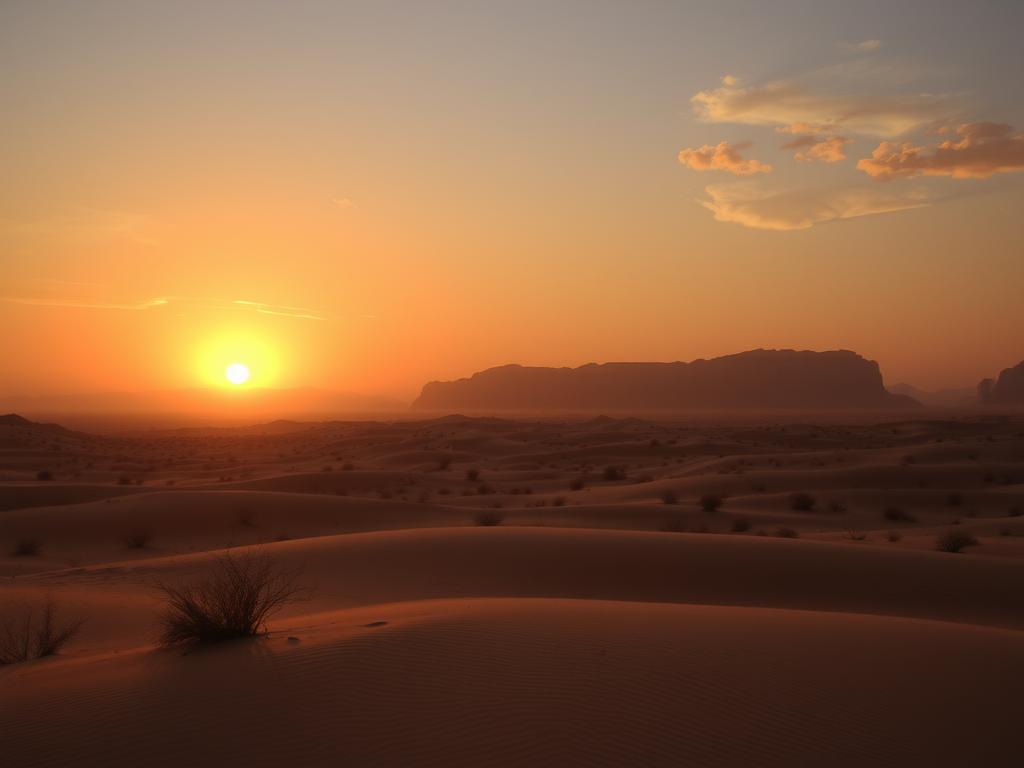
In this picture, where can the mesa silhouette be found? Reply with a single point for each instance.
(1008, 389)
(758, 379)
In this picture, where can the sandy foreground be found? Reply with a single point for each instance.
(489, 592)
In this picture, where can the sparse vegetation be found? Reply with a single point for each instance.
(489, 518)
(669, 497)
(787, 533)
(138, 539)
(577, 484)
(27, 547)
(894, 536)
(709, 502)
(472, 475)
(740, 525)
(233, 600)
(27, 633)
(854, 535)
(802, 502)
(897, 515)
(613, 473)
(954, 541)
(44, 475)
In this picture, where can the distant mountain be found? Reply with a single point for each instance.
(1008, 389)
(760, 378)
(13, 424)
(940, 397)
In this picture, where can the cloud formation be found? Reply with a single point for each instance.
(750, 206)
(810, 148)
(864, 46)
(983, 149)
(802, 102)
(161, 301)
(722, 157)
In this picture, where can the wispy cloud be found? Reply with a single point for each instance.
(162, 301)
(810, 148)
(864, 46)
(857, 107)
(752, 206)
(272, 309)
(982, 149)
(722, 157)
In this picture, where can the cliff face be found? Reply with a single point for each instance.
(757, 379)
(1008, 389)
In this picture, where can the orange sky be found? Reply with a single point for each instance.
(401, 196)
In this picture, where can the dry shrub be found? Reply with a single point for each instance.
(954, 541)
(489, 518)
(802, 502)
(27, 547)
(27, 633)
(233, 600)
(740, 525)
(787, 533)
(138, 539)
(895, 514)
(709, 502)
(669, 497)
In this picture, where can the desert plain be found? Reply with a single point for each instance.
(753, 590)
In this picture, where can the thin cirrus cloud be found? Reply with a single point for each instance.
(981, 150)
(722, 157)
(807, 102)
(162, 301)
(864, 46)
(751, 206)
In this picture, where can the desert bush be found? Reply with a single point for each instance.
(27, 633)
(787, 533)
(489, 518)
(802, 502)
(709, 502)
(558, 501)
(894, 536)
(675, 524)
(1016, 512)
(246, 518)
(577, 484)
(837, 507)
(954, 541)
(612, 473)
(954, 499)
(740, 525)
(472, 475)
(669, 497)
(27, 547)
(44, 474)
(124, 480)
(138, 539)
(233, 600)
(854, 535)
(895, 514)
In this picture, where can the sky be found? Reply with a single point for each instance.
(366, 196)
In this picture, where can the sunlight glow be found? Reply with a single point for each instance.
(237, 373)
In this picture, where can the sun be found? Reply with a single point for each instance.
(237, 373)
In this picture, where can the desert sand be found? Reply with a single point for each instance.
(714, 590)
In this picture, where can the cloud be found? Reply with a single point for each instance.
(161, 301)
(722, 157)
(982, 150)
(864, 46)
(810, 147)
(343, 202)
(829, 100)
(751, 206)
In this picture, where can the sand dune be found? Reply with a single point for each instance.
(538, 682)
(486, 592)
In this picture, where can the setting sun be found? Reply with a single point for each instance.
(237, 373)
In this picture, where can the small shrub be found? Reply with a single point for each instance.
(854, 535)
(802, 502)
(897, 515)
(613, 473)
(488, 519)
(1016, 512)
(837, 508)
(675, 524)
(234, 600)
(27, 634)
(124, 480)
(247, 518)
(443, 463)
(740, 525)
(787, 533)
(138, 539)
(894, 536)
(954, 541)
(669, 497)
(44, 474)
(27, 547)
(709, 502)
(577, 484)
(954, 499)
(472, 475)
